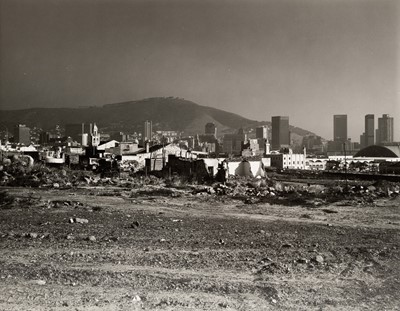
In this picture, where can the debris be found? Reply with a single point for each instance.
(223, 304)
(136, 298)
(135, 224)
(319, 259)
(79, 220)
(32, 235)
(92, 238)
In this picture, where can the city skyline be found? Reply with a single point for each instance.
(308, 60)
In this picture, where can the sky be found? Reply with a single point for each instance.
(307, 59)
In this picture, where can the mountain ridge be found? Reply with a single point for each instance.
(166, 113)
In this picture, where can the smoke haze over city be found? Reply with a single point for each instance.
(305, 59)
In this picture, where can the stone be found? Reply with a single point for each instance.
(92, 238)
(135, 224)
(81, 220)
(319, 259)
(40, 282)
(69, 237)
(136, 298)
(33, 235)
(56, 185)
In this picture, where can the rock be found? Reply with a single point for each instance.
(136, 298)
(319, 259)
(221, 241)
(223, 305)
(33, 235)
(135, 224)
(69, 237)
(371, 188)
(71, 221)
(92, 238)
(40, 282)
(56, 185)
(63, 173)
(81, 220)
(163, 240)
(261, 231)
(210, 190)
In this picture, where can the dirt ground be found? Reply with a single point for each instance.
(193, 252)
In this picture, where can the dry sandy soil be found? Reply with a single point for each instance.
(194, 252)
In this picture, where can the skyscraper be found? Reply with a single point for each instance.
(340, 128)
(261, 132)
(384, 133)
(22, 134)
(147, 131)
(369, 134)
(211, 129)
(280, 132)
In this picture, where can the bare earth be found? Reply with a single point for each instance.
(194, 252)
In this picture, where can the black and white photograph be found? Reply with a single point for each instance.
(199, 155)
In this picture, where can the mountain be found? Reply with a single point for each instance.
(169, 113)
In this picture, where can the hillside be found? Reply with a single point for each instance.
(166, 113)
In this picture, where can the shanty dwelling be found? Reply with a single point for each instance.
(248, 168)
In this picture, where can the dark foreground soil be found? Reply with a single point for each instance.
(194, 252)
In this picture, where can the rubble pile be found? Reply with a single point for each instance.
(16, 172)
(276, 192)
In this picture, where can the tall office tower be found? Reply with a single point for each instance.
(211, 129)
(340, 128)
(22, 134)
(369, 134)
(280, 132)
(384, 133)
(147, 132)
(262, 132)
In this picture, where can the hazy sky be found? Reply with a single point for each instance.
(302, 58)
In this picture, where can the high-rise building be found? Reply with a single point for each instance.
(147, 132)
(233, 143)
(340, 128)
(211, 129)
(261, 132)
(280, 132)
(384, 133)
(369, 134)
(22, 134)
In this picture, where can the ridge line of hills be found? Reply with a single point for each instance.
(166, 113)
